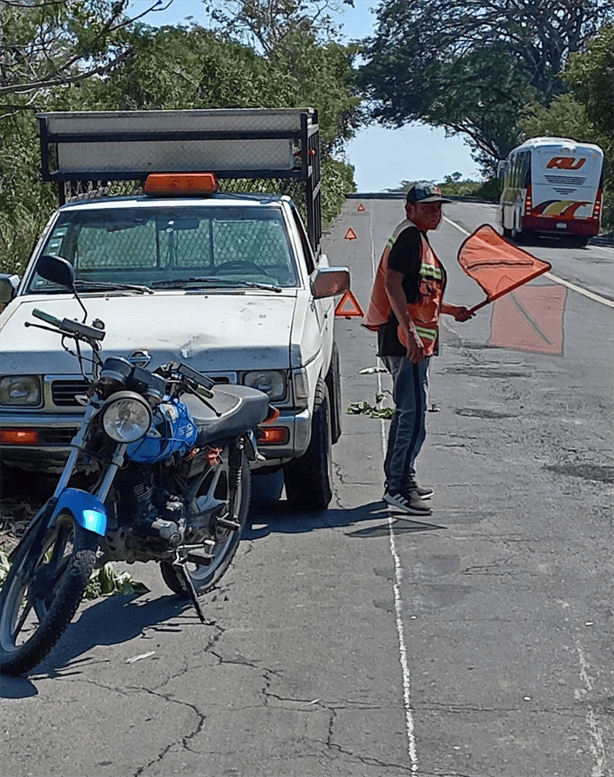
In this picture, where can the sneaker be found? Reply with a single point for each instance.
(408, 502)
(424, 492)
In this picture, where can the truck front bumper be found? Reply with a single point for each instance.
(55, 432)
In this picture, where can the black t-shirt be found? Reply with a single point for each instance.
(404, 257)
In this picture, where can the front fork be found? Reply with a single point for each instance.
(88, 509)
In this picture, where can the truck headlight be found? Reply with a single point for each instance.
(20, 390)
(271, 382)
(126, 417)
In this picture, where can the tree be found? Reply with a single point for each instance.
(50, 44)
(471, 65)
(265, 25)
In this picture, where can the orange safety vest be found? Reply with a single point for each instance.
(424, 312)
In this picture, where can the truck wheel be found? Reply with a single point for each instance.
(507, 233)
(333, 383)
(309, 478)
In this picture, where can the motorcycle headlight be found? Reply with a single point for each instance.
(20, 390)
(126, 417)
(271, 382)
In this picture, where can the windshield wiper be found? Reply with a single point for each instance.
(83, 285)
(182, 282)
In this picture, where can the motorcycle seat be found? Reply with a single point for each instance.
(238, 408)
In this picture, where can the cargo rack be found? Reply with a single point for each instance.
(95, 148)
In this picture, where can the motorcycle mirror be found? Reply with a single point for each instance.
(56, 269)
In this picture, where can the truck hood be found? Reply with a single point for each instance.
(212, 332)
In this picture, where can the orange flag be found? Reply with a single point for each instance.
(530, 319)
(497, 265)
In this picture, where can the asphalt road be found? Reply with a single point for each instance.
(355, 642)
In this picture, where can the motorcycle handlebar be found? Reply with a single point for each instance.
(74, 328)
(47, 317)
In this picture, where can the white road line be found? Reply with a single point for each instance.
(398, 573)
(580, 290)
(555, 278)
(597, 745)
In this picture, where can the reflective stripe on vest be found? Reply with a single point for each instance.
(425, 312)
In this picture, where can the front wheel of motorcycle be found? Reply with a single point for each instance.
(42, 592)
(204, 577)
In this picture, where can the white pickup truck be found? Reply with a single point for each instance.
(231, 284)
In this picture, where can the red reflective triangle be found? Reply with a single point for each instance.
(348, 307)
(350, 234)
(361, 207)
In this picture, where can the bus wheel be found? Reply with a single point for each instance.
(517, 236)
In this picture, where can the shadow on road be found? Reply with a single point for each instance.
(109, 621)
(281, 519)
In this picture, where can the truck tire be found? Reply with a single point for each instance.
(309, 478)
(333, 383)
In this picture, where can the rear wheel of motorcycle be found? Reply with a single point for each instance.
(309, 478)
(42, 592)
(206, 577)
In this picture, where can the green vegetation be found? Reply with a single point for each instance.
(85, 56)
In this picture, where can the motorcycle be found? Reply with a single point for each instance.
(169, 451)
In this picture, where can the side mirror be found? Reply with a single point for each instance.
(330, 281)
(56, 269)
(8, 288)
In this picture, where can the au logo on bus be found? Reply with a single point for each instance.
(566, 162)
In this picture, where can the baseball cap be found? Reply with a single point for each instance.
(425, 192)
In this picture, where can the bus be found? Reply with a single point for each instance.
(552, 186)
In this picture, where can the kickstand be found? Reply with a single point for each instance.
(181, 570)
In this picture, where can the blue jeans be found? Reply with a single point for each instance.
(408, 425)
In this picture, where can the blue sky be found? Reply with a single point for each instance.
(382, 158)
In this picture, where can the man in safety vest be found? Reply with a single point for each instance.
(404, 309)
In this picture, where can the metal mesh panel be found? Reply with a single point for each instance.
(142, 245)
(295, 189)
(90, 190)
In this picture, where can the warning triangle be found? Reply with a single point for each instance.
(350, 234)
(361, 207)
(348, 307)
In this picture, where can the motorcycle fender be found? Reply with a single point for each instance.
(89, 511)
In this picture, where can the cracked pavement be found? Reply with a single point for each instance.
(503, 596)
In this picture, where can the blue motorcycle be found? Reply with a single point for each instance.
(169, 452)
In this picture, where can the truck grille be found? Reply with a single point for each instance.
(63, 392)
(57, 436)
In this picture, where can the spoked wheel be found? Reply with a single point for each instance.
(42, 592)
(224, 532)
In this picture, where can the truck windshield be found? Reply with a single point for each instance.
(162, 244)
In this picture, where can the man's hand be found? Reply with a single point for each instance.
(415, 347)
(463, 314)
